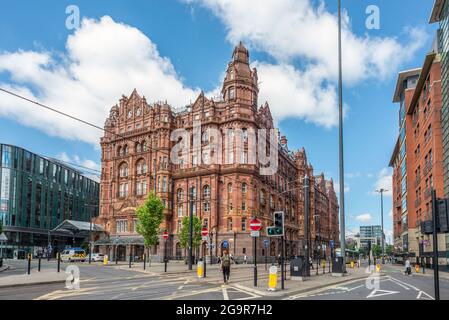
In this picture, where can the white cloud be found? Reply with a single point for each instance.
(337, 187)
(104, 59)
(290, 30)
(384, 181)
(390, 213)
(366, 217)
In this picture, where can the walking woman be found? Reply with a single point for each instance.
(226, 266)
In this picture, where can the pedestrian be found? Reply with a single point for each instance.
(408, 269)
(279, 259)
(245, 259)
(311, 263)
(226, 266)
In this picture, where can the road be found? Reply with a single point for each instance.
(394, 285)
(112, 283)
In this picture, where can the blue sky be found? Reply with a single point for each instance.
(197, 37)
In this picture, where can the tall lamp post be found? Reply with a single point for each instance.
(381, 191)
(340, 113)
(191, 226)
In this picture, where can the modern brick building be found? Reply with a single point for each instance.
(136, 159)
(418, 156)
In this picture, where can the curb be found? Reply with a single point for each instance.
(31, 284)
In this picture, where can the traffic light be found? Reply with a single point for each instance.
(278, 228)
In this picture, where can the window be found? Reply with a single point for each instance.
(244, 188)
(262, 197)
(123, 170)
(243, 224)
(243, 206)
(206, 192)
(206, 206)
(141, 188)
(135, 223)
(229, 224)
(141, 167)
(180, 195)
(231, 94)
(180, 210)
(122, 226)
(230, 188)
(144, 146)
(123, 190)
(206, 223)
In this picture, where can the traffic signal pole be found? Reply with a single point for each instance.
(282, 262)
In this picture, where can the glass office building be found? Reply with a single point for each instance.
(36, 195)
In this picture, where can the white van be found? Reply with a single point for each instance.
(73, 255)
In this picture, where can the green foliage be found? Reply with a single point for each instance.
(149, 218)
(389, 249)
(185, 232)
(377, 250)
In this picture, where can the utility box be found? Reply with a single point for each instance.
(298, 268)
(337, 265)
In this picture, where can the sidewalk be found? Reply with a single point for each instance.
(35, 278)
(428, 272)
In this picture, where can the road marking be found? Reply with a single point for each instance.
(375, 293)
(399, 284)
(225, 293)
(421, 293)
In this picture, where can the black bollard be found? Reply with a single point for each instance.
(130, 261)
(39, 265)
(59, 261)
(144, 261)
(29, 263)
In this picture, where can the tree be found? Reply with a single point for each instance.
(377, 250)
(389, 250)
(149, 218)
(184, 234)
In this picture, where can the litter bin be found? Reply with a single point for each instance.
(297, 267)
(337, 265)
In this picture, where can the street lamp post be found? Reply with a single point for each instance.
(381, 191)
(341, 155)
(90, 237)
(191, 227)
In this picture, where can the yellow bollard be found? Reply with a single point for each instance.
(378, 267)
(352, 264)
(417, 268)
(323, 264)
(273, 278)
(105, 259)
(199, 269)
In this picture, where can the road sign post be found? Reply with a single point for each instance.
(165, 236)
(255, 226)
(266, 243)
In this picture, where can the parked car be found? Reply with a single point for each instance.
(73, 255)
(97, 257)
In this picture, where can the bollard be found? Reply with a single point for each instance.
(59, 261)
(39, 265)
(273, 278)
(105, 259)
(144, 261)
(199, 269)
(323, 264)
(378, 268)
(352, 264)
(417, 268)
(329, 266)
(29, 263)
(129, 261)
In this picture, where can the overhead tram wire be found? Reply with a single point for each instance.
(98, 127)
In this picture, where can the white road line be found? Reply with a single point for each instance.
(399, 284)
(225, 293)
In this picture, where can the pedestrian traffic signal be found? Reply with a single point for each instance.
(278, 229)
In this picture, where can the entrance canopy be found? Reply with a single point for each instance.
(119, 241)
(78, 228)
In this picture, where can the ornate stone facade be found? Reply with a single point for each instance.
(136, 159)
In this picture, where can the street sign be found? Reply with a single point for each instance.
(255, 224)
(225, 244)
(204, 232)
(331, 243)
(165, 235)
(255, 234)
(266, 243)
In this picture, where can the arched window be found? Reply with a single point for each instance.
(271, 202)
(229, 187)
(180, 195)
(144, 146)
(244, 188)
(262, 197)
(206, 192)
(231, 93)
(123, 170)
(125, 150)
(138, 147)
(141, 167)
(119, 151)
